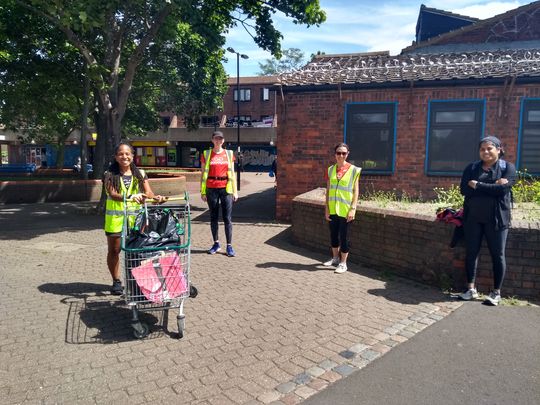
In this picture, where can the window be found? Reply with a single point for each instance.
(370, 130)
(209, 121)
(529, 137)
(454, 129)
(245, 95)
(265, 94)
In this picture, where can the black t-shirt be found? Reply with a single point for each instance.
(482, 207)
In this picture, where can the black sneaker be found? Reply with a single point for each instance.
(117, 288)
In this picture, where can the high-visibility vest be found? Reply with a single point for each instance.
(340, 195)
(230, 172)
(114, 210)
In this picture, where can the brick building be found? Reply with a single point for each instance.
(413, 121)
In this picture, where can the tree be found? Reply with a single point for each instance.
(292, 59)
(133, 47)
(40, 92)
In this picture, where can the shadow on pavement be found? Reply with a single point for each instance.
(409, 292)
(26, 221)
(255, 207)
(394, 290)
(94, 316)
(291, 266)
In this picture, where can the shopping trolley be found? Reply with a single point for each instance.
(156, 251)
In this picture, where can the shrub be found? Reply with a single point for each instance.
(449, 197)
(527, 188)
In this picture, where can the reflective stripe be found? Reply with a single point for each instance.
(121, 213)
(345, 188)
(339, 199)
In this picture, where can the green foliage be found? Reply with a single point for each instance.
(449, 197)
(146, 55)
(292, 59)
(40, 83)
(527, 188)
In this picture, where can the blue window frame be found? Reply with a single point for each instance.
(370, 132)
(529, 136)
(453, 131)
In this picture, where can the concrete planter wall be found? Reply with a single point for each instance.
(16, 192)
(417, 247)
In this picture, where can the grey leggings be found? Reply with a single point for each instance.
(496, 242)
(216, 197)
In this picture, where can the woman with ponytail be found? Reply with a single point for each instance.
(123, 181)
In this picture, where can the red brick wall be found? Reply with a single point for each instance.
(417, 247)
(311, 123)
(256, 107)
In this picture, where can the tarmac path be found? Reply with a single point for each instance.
(269, 326)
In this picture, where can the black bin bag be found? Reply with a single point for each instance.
(155, 228)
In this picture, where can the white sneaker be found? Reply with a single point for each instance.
(493, 299)
(341, 268)
(468, 295)
(332, 262)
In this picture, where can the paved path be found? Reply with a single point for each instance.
(477, 355)
(269, 326)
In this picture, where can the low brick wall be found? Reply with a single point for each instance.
(17, 192)
(417, 247)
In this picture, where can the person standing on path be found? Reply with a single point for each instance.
(122, 181)
(487, 186)
(342, 185)
(218, 188)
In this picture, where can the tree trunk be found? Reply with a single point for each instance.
(60, 153)
(108, 136)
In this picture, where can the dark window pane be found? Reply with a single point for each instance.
(445, 143)
(533, 116)
(530, 150)
(454, 131)
(370, 135)
(454, 116)
(370, 118)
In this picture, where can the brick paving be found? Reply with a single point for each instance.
(269, 326)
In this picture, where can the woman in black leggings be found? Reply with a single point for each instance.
(487, 185)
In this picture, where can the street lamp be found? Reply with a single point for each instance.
(239, 164)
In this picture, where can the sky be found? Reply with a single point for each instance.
(355, 26)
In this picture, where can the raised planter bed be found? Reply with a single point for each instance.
(415, 246)
(17, 192)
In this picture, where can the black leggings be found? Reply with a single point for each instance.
(215, 196)
(338, 233)
(496, 242)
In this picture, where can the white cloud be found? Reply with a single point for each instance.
(358, 26)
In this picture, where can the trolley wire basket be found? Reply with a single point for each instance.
(156, 260)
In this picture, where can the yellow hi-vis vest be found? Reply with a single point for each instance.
(340, 194)
(114, 210)
(230, 171)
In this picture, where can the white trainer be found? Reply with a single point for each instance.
(332, 262)
(470, 294)
(341, 268)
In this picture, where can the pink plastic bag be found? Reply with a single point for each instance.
(161, 278)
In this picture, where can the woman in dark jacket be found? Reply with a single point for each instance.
(487, 185)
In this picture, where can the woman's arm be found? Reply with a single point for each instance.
(326, 209)
(464, 186)
(501, 186)
(352, 210)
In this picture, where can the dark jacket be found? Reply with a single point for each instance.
(502, 193)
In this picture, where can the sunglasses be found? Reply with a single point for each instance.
(342, 153)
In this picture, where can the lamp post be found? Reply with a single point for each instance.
(239, 163)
